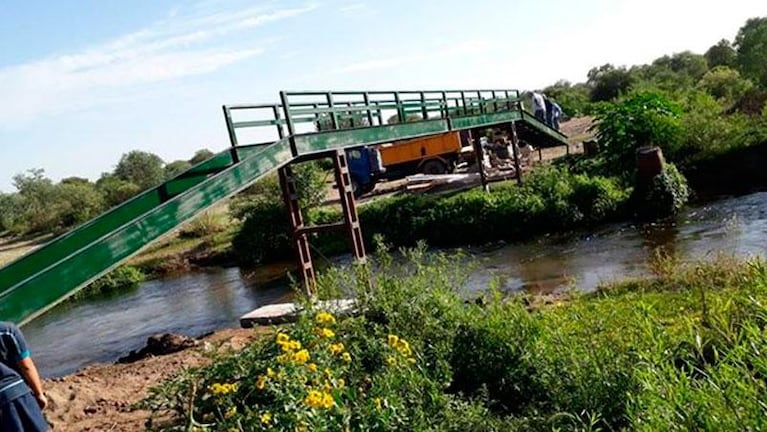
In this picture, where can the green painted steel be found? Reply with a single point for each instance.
(42, 278)
(39, 280)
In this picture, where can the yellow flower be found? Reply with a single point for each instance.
(411, 360)
(270, 373)
(340, 383)
(327, 401)
(393, 340)
(291, 346)
(404, 348)
(266, 417)
(327, 387)
(261, 382)
(325, 318)
(336, 348)
(301, 357)
(231, 412)
(313, 399)
(328, 373)
(312, 367)
(326, 333)
(346, 357)
(377, 402)
(391, 361)
(221, 389)
(282, 338)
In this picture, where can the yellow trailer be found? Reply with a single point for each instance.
(430, 155)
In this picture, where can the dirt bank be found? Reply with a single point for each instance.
(99, 397)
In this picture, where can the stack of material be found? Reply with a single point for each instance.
(422, 182)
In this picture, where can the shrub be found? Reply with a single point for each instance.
(640, 120)
(663, 197)
(120, 279)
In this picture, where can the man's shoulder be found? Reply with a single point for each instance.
(8, 327)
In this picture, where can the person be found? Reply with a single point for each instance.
(556, 113)
(21, 392)
(539, 106)
(547, 102)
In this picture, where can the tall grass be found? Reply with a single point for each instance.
(679, 351)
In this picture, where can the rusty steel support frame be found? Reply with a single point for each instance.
(300, 237)
(348, 204)
(300, 231)
(514, 146)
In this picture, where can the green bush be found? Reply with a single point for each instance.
(640, 120)
(120, 279)
(549, 200)
(663, 197)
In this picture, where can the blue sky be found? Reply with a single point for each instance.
(82, 82)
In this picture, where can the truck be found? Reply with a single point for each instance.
(437, 154)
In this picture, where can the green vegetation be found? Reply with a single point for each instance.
(120, 279)
(681, 351)
(550, 200)
(40, 206)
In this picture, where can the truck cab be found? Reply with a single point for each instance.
(365, 168)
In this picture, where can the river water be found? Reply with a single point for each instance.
(100, 330)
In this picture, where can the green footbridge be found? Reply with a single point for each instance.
(303, 124)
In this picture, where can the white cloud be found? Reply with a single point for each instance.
(353, 8)
(173, 48)
(473, 46)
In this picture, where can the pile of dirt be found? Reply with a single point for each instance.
(101, 397)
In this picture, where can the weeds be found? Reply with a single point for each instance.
(648, 354)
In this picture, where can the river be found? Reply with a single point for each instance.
(101, 330)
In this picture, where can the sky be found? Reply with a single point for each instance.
(84, 81)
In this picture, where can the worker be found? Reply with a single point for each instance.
(556, 114)
(539, 106)
(21, 392)
(547, 103)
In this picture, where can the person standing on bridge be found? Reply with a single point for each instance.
(21, 392)
(539, 106)
(556, 114)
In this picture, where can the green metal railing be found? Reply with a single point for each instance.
(334, 113)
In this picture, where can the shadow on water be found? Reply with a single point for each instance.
(102, 329)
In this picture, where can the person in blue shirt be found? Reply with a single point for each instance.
(21, 392)
(556, 113)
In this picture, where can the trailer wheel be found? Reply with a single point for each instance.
(434, 167)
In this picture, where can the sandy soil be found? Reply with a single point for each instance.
(99, 397)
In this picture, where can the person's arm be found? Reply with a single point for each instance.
(28, 370)
(24, 364)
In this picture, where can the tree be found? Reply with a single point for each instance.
(721, 54)
(76, 202)
(608, 82)
(724, 83)
(140, 168)
(36, 194)
(175, 168)
(640, 120)
(350, 119)
(116, 190)
(751, 44)
(686, 63)
(201, 156)
(574, 99)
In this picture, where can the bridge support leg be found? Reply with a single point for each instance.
(480, 155)
(514, 149)
(300, 238)
(349, 206)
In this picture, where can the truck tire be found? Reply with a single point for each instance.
(434, 166)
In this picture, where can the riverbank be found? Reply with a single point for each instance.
(583, 356)
(100, 397)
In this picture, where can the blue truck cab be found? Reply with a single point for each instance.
(365, 169)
